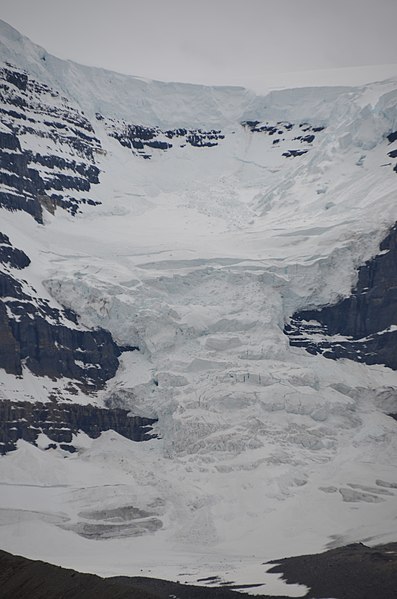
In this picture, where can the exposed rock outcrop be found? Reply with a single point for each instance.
(20, 185)
(59, 422)
(47, 340)
(31, 179)
(352, 572)
(30, 579)
(282, 132)
(12, 256)
(143, 139)
(367, 319)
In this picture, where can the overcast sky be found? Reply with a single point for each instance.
(211, 41)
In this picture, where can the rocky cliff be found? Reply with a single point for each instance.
(363, 326)
(59, 422)
(47, 148)
(47, 340)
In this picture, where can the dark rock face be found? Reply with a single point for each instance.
(204, 139)
(25, 420)
(19, 185)
(47, 340)
(56, 351)
(21, 578)
(28, 179)
(367, 317)
(294, 153)
(141, 139)
(258, 127)
(392, 138)
(351, 572)
(10, 255)
(283, 128)
(10, 359)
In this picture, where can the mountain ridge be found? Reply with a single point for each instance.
(190, 228)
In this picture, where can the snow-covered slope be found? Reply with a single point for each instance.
(197, 221)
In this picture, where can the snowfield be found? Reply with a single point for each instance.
(198, 256)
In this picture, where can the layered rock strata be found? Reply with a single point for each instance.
(363, 326)
(61, 422)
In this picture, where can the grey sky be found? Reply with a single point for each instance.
(211, 41)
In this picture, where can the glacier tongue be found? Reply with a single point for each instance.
(198, 255)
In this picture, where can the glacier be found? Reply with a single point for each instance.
(217, 214)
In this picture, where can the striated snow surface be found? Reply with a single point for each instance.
(198, 256)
